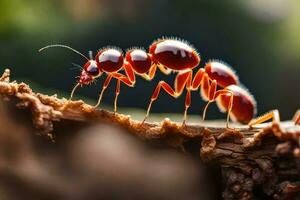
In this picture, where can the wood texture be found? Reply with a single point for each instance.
(258, 162)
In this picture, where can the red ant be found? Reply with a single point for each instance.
(171, 55)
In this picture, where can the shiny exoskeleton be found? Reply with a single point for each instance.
(216, 81)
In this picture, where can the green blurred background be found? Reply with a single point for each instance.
(260, 39)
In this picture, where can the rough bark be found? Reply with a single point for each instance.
(255, 163)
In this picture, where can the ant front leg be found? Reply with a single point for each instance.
(129, 80)
(105, 85)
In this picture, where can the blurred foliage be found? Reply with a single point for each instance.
(259, 39)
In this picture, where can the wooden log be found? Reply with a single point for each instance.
(255, 162)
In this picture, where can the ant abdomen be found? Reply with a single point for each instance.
(219, 71)
(109, 60)
(139, 60)
(244, 105)
(174, 54)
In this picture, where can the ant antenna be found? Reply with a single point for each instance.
(91, 55)
(63, 46)
(76, 66)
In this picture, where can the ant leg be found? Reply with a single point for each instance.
(198, 78)
(164, 69)
(73, 91)
(208, 92)
(180, 81)
(116, 97)
(205, 86)
(155, 94)
(211, 92)
(187, 105)
(296, 118)
(216, 95)
(129, 72)
(151, 73)
(188, 81)
(229, 109)
(106, 83)
(274, 114)
(118, 76)
(121, 78)
(130, 81)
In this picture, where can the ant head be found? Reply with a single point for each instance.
(90, 72)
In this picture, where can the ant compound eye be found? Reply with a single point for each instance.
(92, 68)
